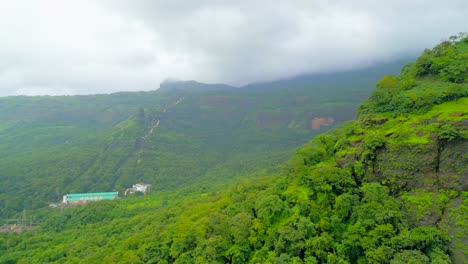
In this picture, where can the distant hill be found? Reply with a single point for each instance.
(364, 75)
(191, 86)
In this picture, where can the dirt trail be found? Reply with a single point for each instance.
(180, 100)
(153, 128)
(157, 121)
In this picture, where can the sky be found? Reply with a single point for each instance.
(56, 47)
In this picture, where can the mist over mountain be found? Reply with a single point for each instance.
(95, 47)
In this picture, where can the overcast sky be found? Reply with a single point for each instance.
(103, 46)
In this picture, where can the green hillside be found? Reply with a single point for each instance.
(185, 134)
(389, 187)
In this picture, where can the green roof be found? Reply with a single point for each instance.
(92, 196)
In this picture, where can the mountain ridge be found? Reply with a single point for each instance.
(392, 67)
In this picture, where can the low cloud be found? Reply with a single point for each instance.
(87, 47)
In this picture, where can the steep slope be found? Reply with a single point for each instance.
(186, 133)
(389, 187)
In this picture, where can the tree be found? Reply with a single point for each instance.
(410, 257)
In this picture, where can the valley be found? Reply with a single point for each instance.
(172, 138)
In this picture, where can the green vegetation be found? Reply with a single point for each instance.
(389, 187)
(437, 76)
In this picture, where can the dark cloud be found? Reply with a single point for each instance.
(77, 47)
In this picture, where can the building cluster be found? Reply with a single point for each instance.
(83, 198)
(72, 199)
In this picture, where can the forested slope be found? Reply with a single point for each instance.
(187, 133)
(389, 187)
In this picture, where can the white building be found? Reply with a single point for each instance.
(139, 187)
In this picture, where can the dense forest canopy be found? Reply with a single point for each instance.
(388, 187)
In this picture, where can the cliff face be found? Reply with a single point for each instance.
(411, 151)
(416, 123)
(433, 165)
(432, 168)
(453, 167)
(422, 158)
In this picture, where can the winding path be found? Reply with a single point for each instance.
(152, 129)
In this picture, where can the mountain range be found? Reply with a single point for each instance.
(237, 177)
(184, 133)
